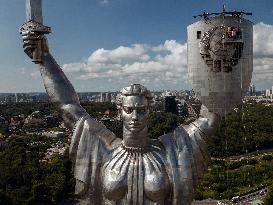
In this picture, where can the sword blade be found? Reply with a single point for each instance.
(34, 11)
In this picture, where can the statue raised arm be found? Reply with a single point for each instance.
(136, 169)
(57, 85)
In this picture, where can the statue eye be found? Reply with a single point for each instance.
(128, 110)
(142, 110)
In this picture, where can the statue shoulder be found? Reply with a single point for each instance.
(95, 130)
(186, 148)
(177, 139)
(184, 137)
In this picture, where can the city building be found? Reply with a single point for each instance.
(252, 90)
(108, 97)
(102, 97)
(170, 104)
(53, 134)
(268, 93)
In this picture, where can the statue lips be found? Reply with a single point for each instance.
(134, 125)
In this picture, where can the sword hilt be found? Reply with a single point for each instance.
(39, 29)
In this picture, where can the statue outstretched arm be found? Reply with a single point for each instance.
(58, 87)
(61, 91)
(198, 132)
(207, 122)
(186, 151)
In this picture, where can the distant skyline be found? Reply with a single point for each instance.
(104, 45)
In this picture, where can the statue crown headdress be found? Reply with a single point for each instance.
(134, 90)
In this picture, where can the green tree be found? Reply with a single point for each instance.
(161, 122)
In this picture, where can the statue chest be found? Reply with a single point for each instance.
(135, 176)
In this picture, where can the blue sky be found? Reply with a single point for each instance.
(132, 34)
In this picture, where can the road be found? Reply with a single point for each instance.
(250, 154)
(258, 195)
(244, 200)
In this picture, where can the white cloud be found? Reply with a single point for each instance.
(73, 67)
(104, 2)
(136, 52)
(263, 52)
(35, 74)
(164, 64)
(139, 63)
(263, 40)
(22, 70)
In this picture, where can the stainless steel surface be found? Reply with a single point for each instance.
(35, 25)
(163, 171)
(34, 11)
(220, 68)
(136, 170)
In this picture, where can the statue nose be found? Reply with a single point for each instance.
(135, 115)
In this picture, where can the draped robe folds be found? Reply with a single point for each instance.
(184, 150)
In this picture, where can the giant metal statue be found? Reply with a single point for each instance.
(134, 170)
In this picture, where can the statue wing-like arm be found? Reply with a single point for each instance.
(60, 90)
(58, 87)
(186, 154)
(199, 131)
(208, 121)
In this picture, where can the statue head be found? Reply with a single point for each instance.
(134, 102)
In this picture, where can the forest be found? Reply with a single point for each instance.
(27, 179)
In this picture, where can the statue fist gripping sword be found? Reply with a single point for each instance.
(34, 26)
(113, 171)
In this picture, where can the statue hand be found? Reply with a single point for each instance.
(214, 118)
(34, 43)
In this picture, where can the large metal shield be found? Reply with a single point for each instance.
(220, 61)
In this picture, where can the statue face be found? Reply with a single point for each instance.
(134, 113)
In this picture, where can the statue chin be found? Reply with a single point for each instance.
(133, 137)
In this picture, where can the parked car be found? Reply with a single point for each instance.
(235, 199)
